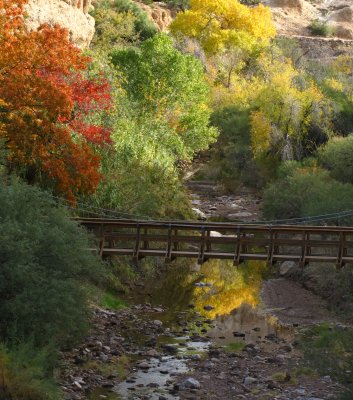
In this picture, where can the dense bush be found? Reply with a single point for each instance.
(113, 28)
(337, 157)
(232, 153)
(44, 264)
(343, 118)
(306, 192)
(141, 181)
(143, 26)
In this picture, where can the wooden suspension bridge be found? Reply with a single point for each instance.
(225, 241)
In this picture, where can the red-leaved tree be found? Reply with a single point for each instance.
(45, 98)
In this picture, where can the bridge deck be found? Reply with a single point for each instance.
(204, 241)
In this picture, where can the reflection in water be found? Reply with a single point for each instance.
(217, 283)
(176, 289)
(229, 294)
(230, 286)
(248, 324)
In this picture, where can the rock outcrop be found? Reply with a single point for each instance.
(296, 5)
(70, 14)
(83, 5)
(293, 17)
(160, 14)
(342, 22)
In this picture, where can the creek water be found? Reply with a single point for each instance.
(216, 304)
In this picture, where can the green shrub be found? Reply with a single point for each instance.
(113, 29)
(25, 374)
(306, 192)
(250, 2)
(183, 4)
(232, 152)
(320, 28)
(143, 26)
(343, 117)
(112, 302)
(328, 349)
(44, 264)
(337, 157)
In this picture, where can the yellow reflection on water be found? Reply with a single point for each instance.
(228, 286)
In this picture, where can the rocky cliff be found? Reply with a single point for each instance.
(70, 14)
(161, 14)
(292, 17)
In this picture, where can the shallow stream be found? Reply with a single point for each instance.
(213, 305)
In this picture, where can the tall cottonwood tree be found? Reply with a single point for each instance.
(221, 25)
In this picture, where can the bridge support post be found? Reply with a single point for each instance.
(271, 248)
(137, 244)
(201, 257)
(238, 248)
(342, 251)
(168, 254)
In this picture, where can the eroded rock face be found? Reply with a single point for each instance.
(344, 32)
(160, 14)
(343, 15)
(83, 5)
(342, 21)
(297, 5)
(70, 14)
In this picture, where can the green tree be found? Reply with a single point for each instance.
(142, 25)
(232, 152)
(168, 87)
(113, 28)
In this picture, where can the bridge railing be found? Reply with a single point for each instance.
(239, 243)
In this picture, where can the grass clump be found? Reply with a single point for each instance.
(235, 346)
(320, 28)
(119, 366)
(112, 302)
(283, 377)
(25, 374)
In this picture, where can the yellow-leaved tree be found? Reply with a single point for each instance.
(221, 25)
(287, 107)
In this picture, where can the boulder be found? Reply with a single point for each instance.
(287, 267)
(343, 31)
(190, 383)
(342, 15)
(79, 24)
(341, 20)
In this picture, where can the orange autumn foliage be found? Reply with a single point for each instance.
(44, 99)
